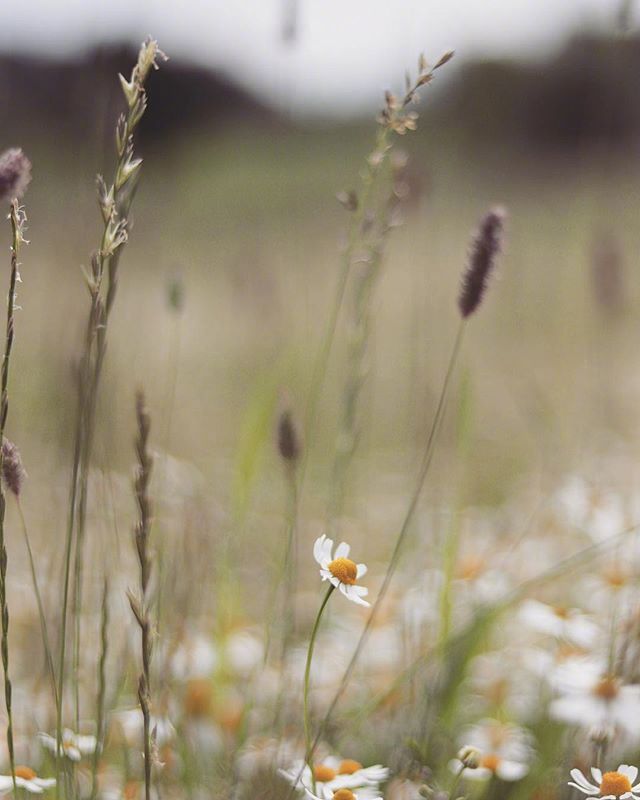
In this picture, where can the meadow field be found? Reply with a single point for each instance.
(489, 481)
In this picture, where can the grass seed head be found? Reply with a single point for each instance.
(15, 174)
(484, 250)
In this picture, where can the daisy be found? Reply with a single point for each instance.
(590, 697)
(333, 774)
(73, 745)
(505, 751)
(340, 570)
(344, 794)
(27, 779)
(609, 786)
(563, 623)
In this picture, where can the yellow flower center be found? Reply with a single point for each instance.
(344, 569)
(25, 772)
(491, 762)
(323, 773)
(344, 794)
(614, 783)
(348, 767)
(607, 689)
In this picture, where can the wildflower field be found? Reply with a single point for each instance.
(320, 475)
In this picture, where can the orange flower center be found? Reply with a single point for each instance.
(198, 698)
(615, 577)
(348, 767)
(614, 783)
(469, 568)
(323, 773)
(344, 569)
(344, 794)
(25, 772)
(607, 689)
(491, 762)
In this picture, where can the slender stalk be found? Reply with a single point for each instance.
(307, 675)
(43, 620)
(115, 203)
(17, 218)
(140, 607)
(406, 524)
(102, 684)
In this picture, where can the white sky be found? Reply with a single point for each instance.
(347, 51)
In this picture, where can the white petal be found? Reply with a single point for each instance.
(511, 770)
(342, 550)
(362, 570)
(597, 775)
(318, 548)
(348, 591)
(580, 779)
(582, 788)
(629, 771)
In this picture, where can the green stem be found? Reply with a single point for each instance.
(307, 673)
(456, 781)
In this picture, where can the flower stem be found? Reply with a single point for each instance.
(307, 673)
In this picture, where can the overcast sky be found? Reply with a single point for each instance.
(344, 54)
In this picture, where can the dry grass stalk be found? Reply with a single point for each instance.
(140, 606)
(115, 204)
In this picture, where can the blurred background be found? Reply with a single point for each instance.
(264, 112)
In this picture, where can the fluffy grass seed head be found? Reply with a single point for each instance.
(15, 174)
(482, 258)
(13, 473)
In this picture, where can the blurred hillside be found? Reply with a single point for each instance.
(586, 93)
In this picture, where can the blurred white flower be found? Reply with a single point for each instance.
(506, 750)
(340, 570)
(563, 623)
(73, 745)
(590, 697)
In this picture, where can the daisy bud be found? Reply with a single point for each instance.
(469, 757)
(484, 250)
(15, 174)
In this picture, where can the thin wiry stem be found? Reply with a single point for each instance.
(43, 620)
(17, 218)
(307, 676)
(140, 606)
(404, 529)
(102, 689)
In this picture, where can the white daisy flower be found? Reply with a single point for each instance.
(611, 785)
(73, 745)
(26, 778)
(334, 774)
(563, 623)
(592, 698)
(505, 751)
(339, 569)
(344, 794)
